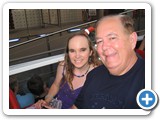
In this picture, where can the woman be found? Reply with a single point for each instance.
(80, 59)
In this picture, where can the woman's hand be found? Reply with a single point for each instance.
(47, 107)
(40, 104)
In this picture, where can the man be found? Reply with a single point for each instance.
(115, 84)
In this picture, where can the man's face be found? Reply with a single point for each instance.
(114, 45)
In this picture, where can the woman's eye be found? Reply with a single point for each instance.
(83, 49)
(71, 51)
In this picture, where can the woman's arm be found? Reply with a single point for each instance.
(56, 84)
(53, 90)
(74, 107)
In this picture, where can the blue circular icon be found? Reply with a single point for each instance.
(147, 99)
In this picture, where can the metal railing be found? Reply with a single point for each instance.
(50, 34)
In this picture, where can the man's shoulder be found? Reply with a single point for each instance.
(140, 63)
(99, 69)
(97, 72)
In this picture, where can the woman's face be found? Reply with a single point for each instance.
(79, 51)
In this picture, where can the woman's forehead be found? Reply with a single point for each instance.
(78, 41)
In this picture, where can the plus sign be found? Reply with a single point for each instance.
(147, 99)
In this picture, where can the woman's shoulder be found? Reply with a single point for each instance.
(61, 63)
(60, 68)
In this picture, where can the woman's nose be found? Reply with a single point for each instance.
(77, 54)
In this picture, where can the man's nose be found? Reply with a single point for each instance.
(105, 45)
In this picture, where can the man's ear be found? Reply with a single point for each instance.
(133, 39)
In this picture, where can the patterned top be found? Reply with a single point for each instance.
(66, 94)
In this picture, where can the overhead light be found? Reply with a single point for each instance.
(42, 35)
(74, 30)
(14, 40)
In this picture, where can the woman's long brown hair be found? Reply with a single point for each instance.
(69, 66)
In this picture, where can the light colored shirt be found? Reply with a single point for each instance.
(25, 100)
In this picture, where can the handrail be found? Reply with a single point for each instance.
(128, 11)
(50, 34)
(22, 67)
(46, 52)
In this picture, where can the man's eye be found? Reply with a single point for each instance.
(98, 41)
(112, 38)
